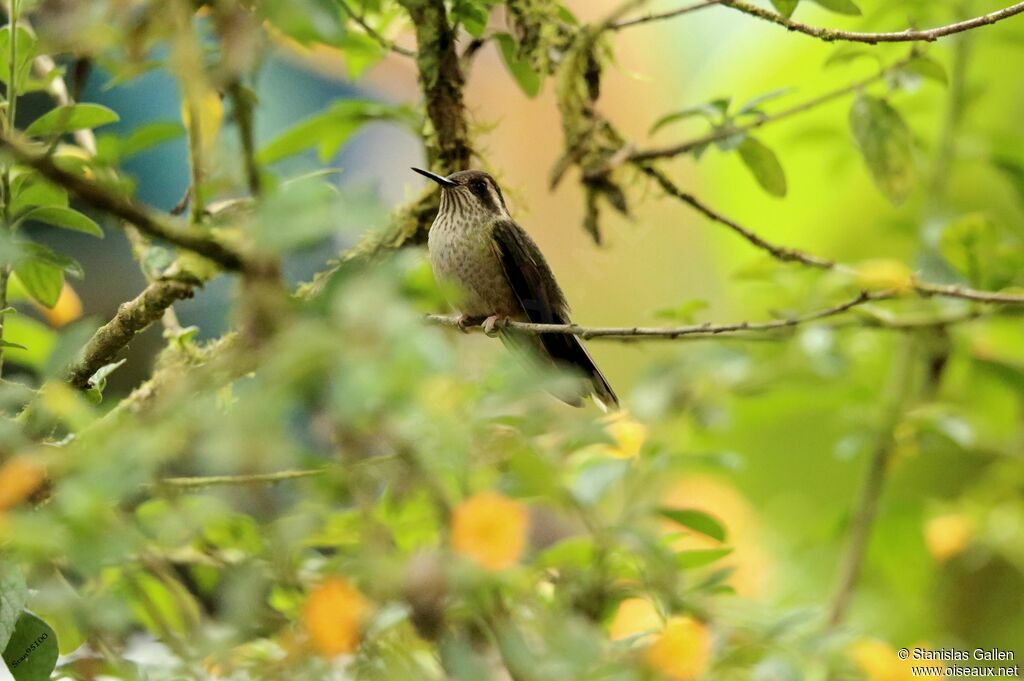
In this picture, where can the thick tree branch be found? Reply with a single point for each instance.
(909, 35)
(126, 209)
(729, 131)
(131, 319)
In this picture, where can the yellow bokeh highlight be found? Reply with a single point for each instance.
(947, 535)
(879, 661)
(634, 616)
(628, 435)
(490, 529)
(682, 651)
(19, 478)
(67, 309)
(333, 616)
(720, 499)
(883, 274)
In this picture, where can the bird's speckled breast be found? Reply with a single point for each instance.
(461, 255)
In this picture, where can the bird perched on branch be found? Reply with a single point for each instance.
(475, 244)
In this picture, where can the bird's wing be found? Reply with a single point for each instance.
(543, 302)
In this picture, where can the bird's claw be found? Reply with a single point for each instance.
(465, 321)
(493, 324)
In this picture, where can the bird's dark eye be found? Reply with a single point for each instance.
(478, 187)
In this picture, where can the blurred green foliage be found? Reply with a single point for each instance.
(337, 489)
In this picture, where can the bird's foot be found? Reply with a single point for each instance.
(465, 321)
(493, 324)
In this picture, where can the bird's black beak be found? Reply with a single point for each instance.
(443, 181)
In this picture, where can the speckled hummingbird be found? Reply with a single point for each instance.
(475, 244)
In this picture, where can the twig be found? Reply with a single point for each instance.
(127, 209)
(673, 332)
(729, 131)
(131, 319)
(619, 25)
(221, 480)
(909, 35)
(242, 105)
(782, 253)
(370, 31)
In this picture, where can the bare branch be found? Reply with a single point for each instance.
(729, 131)
(617, 26)
(384, 42)
(223, 480)
(127, 209)
(672, 333)
(778, 252)
(132, 318)
(909, 35)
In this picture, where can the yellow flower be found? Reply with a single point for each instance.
(634, 616)
(19, 478)
(947, 535)
(628, 433)
(490, 529)
(681, 651)
(879, 275)
(879, 662)
(334, 616)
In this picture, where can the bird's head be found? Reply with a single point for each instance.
(469, 190)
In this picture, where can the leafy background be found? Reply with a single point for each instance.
(711, 522)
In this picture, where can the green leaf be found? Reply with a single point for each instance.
(330, 129)
(848, 53)
(72, 117)
(696, 558)
(970, 244)
(473, 15)
(41, 280)
(840, 6)
(753, 106)
(13, 597)
(682, 313)
(529, 81)
(32, 652)
(765, 166)
(65, 218)
(361, 53)
(926, 67)
(98, 381)
(698, 521)
(785, 7)
(886, 144)
(148, 136)
(26, 49)
(691, 112)
(36, 341)
(1013, 171)
(30, 190)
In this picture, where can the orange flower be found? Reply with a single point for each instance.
(67, 309)
(634, 616)
(334, 616)
(489, 529)
(19, 477)
(681, 651)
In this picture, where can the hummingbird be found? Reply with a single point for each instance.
(476, 245)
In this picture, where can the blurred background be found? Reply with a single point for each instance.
(785, 427)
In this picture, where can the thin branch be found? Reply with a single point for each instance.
(778, 252)
(729, 131)
(127, 209)
(370, 31)
(619, 25)
(909, 35)
(241, 103)
(132, 318)
(221, 480)
(674, 332)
